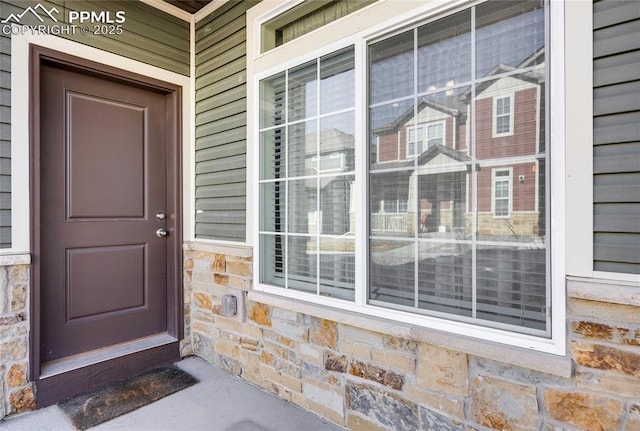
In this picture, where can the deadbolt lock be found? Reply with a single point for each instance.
(161, 216)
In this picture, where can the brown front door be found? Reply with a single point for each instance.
(103, 179)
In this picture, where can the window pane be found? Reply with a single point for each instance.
(272, 259)
(272, 204)
(337, 91)
(337, 143)
(509, 33)
(444, 52)
(511, 285)
(302, 264)
(447, 185)
(302, 216)
(392, 271)
(388, 129)
(272, 101)
(391, 68)
(337, 268)
(337, 216)
(444, 278)
(303, 149)
(272, 154)
(387, 190)
(303, 91)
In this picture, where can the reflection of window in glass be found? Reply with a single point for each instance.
(415, 141)
(435, 134)
(501, 192)
(503, 115)
(306, 228)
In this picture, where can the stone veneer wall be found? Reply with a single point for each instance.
(367, 380)
(16, 392)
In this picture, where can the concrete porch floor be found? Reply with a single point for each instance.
(219, 402)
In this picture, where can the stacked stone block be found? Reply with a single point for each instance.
(16, 394)
(367, 380)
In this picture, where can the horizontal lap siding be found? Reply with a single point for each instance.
(221, 120)
(616, 135)
(149, 36)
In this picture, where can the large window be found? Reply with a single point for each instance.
(306, 176)
(445, 232)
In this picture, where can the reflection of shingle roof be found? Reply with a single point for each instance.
(452, 107)
(428, 155)
(434, 150)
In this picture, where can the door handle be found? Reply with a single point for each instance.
(161, 233)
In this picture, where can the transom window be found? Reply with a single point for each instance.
(443, 230)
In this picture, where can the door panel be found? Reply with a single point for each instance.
(103, 170)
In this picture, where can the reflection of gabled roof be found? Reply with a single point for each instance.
(435, 150)
(423, 102)
(438, 158)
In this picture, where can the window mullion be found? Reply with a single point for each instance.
(416, 151)
(319, 166)
(362, 206)
(286, 179)
(474, 178)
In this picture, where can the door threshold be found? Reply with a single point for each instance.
(81, 360)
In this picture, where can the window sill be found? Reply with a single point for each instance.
(543, 362)
(15, 259)
(603, 290)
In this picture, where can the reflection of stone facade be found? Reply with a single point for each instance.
(519, 225)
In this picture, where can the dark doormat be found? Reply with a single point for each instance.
(103, 404)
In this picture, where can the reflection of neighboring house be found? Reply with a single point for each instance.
(334, 155)
(435, 142)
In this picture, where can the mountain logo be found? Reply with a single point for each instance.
(34, 11)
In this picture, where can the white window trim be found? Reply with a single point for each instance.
(494, 115)
(360, 29)
(494, 179)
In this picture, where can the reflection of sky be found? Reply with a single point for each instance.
(337, 93)
(508, 42)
